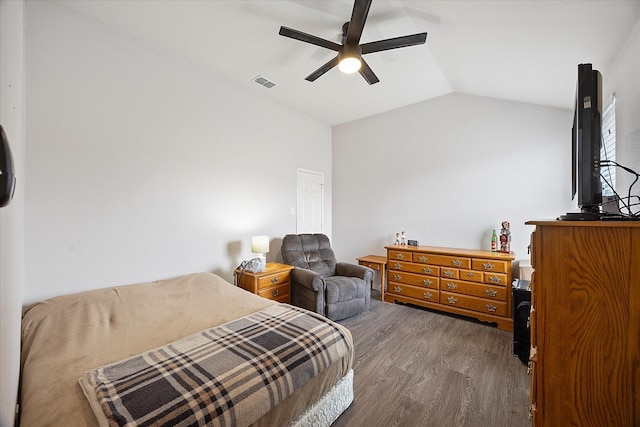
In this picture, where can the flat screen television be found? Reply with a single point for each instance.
(586, 142)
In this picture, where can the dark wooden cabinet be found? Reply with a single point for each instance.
(585, 324)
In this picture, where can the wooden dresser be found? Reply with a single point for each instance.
(585, 324)
(472, 283)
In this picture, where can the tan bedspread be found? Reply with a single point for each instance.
(66, 336)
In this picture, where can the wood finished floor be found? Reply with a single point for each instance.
(420, 368)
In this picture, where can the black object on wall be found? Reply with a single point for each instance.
(521, 311)
(7, 176)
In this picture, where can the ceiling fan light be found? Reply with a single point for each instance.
(349, 65)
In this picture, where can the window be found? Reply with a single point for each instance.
(608, 150)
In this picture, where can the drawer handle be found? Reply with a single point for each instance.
(492, 292)
(492, 307)
(452, 300)
(488, 266)
(427, 270)
(428, 295)
(427, 282)
(456, 263)
(452, 285)
(422, 258)
(397, 265)
(469, 274)
(400, 256)
(494, 279)
(274, 280)
(275, 292)
(449, 273)
(397, 277)
(397, 289)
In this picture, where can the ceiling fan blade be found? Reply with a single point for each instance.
(368, 74)
(320, 71)
(308, 38)
(394, 43)
(356, 23)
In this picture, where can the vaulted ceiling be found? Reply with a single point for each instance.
(525, 51)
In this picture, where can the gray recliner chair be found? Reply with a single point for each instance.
(320, 283)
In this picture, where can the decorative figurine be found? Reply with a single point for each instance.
(404, 239)
(397, 242)
(505, 237)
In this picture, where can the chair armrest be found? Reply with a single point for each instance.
(353, 270)
(307, 278)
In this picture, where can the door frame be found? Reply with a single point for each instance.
(299, 216)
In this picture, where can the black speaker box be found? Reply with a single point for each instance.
(521, 302)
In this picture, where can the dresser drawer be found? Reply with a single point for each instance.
(449, 273)
(277, 293)
(273, 280)
(443, 260)
(533, 326)
(371, 265)
(533, 413)
(413, 279)
(473, 303)
(426, 294)
(472, 275)
(495, 278)
(489, 265)
(497, 293)
(431, 270)
(399, 255)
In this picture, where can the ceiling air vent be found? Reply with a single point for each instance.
(261, 80)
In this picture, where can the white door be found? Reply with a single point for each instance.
(310, 203)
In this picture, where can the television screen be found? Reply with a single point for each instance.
(588, 137)
(586, 142)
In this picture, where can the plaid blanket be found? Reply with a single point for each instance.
(229, 375)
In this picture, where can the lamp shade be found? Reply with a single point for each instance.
(260, 244)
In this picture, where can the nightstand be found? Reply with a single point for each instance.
(272, 283)
(378, 263)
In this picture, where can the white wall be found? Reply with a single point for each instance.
(623, 79)
(142, 167)
(11, 216)
(448, 171)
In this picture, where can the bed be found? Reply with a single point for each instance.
(78, 350)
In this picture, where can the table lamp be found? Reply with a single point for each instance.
(260, 246)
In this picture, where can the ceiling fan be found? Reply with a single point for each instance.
(349, 58)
